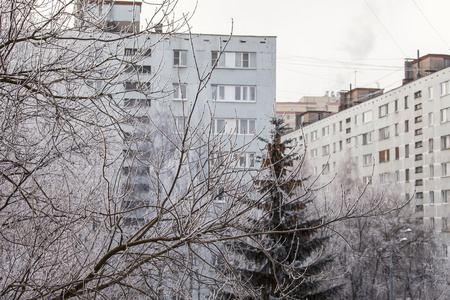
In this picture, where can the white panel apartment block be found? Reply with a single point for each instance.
(404, 132)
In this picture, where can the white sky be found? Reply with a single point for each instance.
(321, 43)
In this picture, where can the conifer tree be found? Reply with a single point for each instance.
(287, 258)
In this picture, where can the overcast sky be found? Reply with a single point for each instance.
(322, 45)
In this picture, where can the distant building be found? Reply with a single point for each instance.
(357, 96)
(295, 113)
(425, 65)
(401, 137)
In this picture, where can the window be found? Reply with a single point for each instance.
(431, 197)
(367, 180)
(417, 94)
(247, 160)
(406, 102)
(314, 153)
(430, 145)
(245, 60)
(397, 130)
(132, 102)
(367, 116)
(325, 130)
(444, 224)
(130, 51)
(431, 170)
(382, 110)
(406, 151)
(418, 132)
(432, 223)
(445, 142)
(445, 194)
(326, 168)
(334, 127)
(419, 195)
(367, 138)
(444, 88)
(233, 93)
(325, 150)
(246, 126)
(245, 93)
(340, 125)
(396, 105)
(397, 176)
(384, 177)
(418, 144)
(407, 175)
(334, 147)
(445, 115)
(356, 141)
(367, 160)
(145, 69)
(217, 126)
(397, 153)
(406, 126)
(419, 182)
(418, 106)
(135, 86)
(418, 157)
(430, 93)
(180, 123)
(340, 145)
(430, 119)
(418, 170)
(314, 135)
(445, 168)
(180, 57)
(348, 141)
(348, 120)
(348, 130)
(384, 156)
(384, 133)
(216, 61)
(418, 119)
(179, 92)
(356, 119)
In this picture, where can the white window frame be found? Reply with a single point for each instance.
(326, 131)
(314, 153)
(180, 58)
(246, 93)
(367, 159)
(383, 133)
(445, 194)
(444, 88)
(383, 110)
(325, 150)
(179, 91)
(430, 93)
(430, 119)
(247, 160)
(367, 138)
(445, 115)
(250, 125)
(245, 60)
(367, 116)
(445, 142)
(314, 135)
(218, 125)
(445, 167)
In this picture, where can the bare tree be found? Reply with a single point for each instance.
(389, 249)
(101, 196)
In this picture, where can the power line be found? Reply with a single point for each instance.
(442, 39)
(387, 31)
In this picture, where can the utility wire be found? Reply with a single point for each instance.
(442, 39)
(392, 38)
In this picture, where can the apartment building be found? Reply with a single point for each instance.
(164, 81)
(308, 109)
(401, 137)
